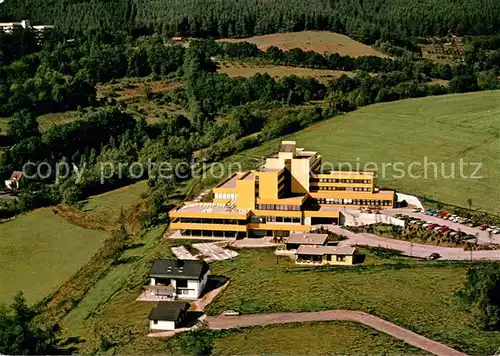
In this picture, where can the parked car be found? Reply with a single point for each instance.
(437, 228)
(434, 256)
(443, 229)
(496, 231)
(483, 227)
(230, 313)
(432, 226)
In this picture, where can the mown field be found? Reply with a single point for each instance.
(418, 295)
(108, 205)
(317, 41)
(39, 251)
(342, 338)
(412, 137)
(246, 70)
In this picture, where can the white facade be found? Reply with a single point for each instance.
(161, 325)
(193, 290)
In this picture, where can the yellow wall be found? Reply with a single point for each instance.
(268, 185)
(300, 175)
(245, 198)
(202, 215)
(348, 261)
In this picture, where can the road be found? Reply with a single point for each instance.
(412, 249)
(434, 347)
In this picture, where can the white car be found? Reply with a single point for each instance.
(231, 313)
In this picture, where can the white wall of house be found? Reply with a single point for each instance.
(193, 290)
(161, 325)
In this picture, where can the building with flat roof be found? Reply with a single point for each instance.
(26, 24)
(290, 193)
(299, 239)
(326, 255)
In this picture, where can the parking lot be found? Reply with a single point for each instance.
(483, 236)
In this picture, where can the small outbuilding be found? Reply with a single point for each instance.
(167, 316)
(305, 239)
(326, 255)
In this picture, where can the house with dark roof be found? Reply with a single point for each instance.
(172, 278)
(167, 315)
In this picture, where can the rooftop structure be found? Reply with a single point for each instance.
(307, 239)
(289, 193)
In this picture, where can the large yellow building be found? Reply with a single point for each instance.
(289, 193)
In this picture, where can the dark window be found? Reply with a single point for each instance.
(182, 283)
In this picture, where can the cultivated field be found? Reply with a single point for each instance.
(418, 295)
(317, 41)
(246, 70)
(311, 339)
(130, 88)
(39, 251)
(441, 130)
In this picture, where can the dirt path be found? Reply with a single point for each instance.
(434, 347)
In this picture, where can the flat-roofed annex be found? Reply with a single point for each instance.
(307, 239)
(324, 250)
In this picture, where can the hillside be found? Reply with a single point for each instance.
(317, 41)
(442, 130)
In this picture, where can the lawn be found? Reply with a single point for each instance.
(441, 130)
(318, 41)
(108, 205)
(340, 338)
(415, 294)
(246, 70)
(39, 251)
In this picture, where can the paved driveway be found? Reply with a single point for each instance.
(412, 249)
(224, 322)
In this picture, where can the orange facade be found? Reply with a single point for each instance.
(289, 193)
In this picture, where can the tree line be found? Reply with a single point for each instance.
(366, 21)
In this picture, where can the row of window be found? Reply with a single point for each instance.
(278, 207)
(275, 219)
(225, 196)
(333, 180)
(341, 201)
(352, 189)
(211, 221)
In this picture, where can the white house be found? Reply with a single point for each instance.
(185, 279)
(167, 315)
(9, 26)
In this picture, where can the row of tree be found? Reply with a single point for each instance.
(363, 20)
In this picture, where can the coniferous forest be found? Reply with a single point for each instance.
(364, 20)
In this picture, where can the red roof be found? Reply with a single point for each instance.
(16, 175)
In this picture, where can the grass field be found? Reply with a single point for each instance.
(440, 130)
(415, 294)
(246, 70)
(108, 205)
(318, 41)
(341, 338)
(130, 88)
(39, 251)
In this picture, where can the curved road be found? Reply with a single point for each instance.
(434, 347)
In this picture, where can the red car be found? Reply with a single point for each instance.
(432, 226)
(444, 229)
(443, 214)
(483, 227)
